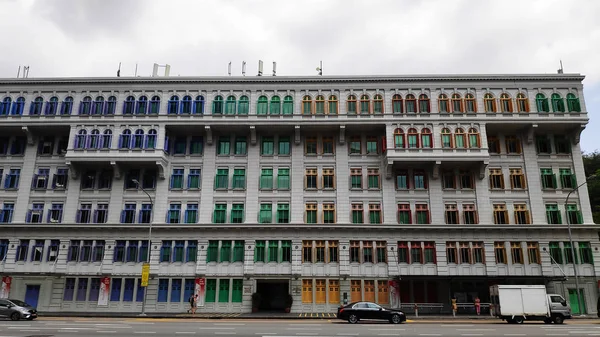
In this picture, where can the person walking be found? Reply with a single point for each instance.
(193, 300)
(454, 306)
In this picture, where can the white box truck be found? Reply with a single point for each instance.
(517, 303)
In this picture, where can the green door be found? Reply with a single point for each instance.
(575, 307)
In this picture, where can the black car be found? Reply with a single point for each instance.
(356, 311)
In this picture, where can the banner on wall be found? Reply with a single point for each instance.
(104, 290)
(394, 294)
(5, 292)
(200, 291)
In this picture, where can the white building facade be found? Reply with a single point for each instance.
(392, 189)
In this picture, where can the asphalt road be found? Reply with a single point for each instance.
(278, 328)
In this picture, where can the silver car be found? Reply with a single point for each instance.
(17, 310)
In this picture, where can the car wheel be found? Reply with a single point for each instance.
(519, 320)
(352, 319)
(15, 316)
(558, 319)
(395, 319)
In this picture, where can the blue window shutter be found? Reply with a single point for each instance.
(28, 219)
(7, 181)
(120, 141)
(123, 216)
(48, 216)
(95, 218)
(34, 181)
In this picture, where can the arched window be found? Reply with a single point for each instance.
(470, 103)
(106, 139)
(199, 105)
(413, 138)
(138, 139)
(573, 103)
(66, 106)
(35, 108)
(186, 105)
(378, 104)
(489, 102)
(320, 105)
(154, 105)
(80, 139)
(444, 103)
(262, 105)
(218, 105)
(474, 141)
(275, 108)
(151, 139)
(98, 106)
(128, 105)
(426, 139)
(18, 106)
(111, 105)
(173, 105)
(424, 104)
(541, 103)
(288, 105)
(558, 104)
(459, 139)
(446, 138)
(397, 104)
(94, 139)
(457, 103)
(85, 106)
(333, 105)
(365, 104)
(411, 103)
(244, 105)
(506, 103)
(522, 103)
(5, 106)
(142, 105)
(399, 141)
(351, 105)
(230, 105)
(125, 139)
(51, 106)
(306, 105)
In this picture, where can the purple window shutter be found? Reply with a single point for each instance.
(34, 181)
(76, 145)
(54, 181)
(46, 182)
(121, 141)
(28, 218)
(95, 219)
(60, 216)
(78, 216)
(88, 141)
(48, 216)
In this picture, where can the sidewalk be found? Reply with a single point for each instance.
(275, 315)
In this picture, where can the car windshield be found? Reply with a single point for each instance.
(20, 303)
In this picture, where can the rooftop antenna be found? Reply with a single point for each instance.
(19, 72)
(260, 68)
(119, 70)
(561, 70)
(274, 68)
(155, 69)
(135, 74)
(243, 68)
(25, 71)
(320, 69)
(229, 68)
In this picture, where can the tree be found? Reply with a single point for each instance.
(591, 164)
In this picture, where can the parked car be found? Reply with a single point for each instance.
(17, 310)
(356, 311)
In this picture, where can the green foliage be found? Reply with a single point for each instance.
(591, 163)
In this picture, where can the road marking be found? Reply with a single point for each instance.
(214, 328)
(106, 331)
(185, 332)
(224, 333)
(232, 324)
(387, 334)
(515, 334)
(430, 334)
(29, 330)
(144, 332)
(476, 329)
(265, 333)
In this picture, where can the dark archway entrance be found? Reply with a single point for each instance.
(273, 294)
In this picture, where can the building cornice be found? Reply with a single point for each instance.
(172, 80)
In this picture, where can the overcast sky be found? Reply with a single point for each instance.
(91, 37)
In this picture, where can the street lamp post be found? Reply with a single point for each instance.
(573, 256)
(137, 183)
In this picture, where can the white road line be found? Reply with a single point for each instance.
(475, 329)
(230, 324)
(387, 334)
(265, 333)
(224, 333)
(380, 329)
(555, 334)
(29, 330)
(308, 334)
(185, 332)
(307, 328)
(515, 334)
(144, 332)
(106, 331)
(214, 328)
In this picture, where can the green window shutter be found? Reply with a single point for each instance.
(220, 213)
(212, 251)
(273, 251)
(225, 252)
(266, 179)
(239, 179)
(288, 105)
(223, 290)
(238, 251)
(286, 251)
(283, 179)
(259, 251)
(211, 291)
(573, 181)
(237, 213)
(554, 184)
(236, 293)
(283, 213)
(579, 218)
(266, 213)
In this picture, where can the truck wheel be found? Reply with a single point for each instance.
(558, 319)
(519, 320)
